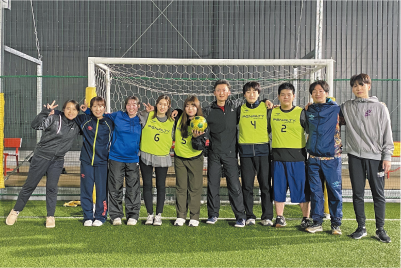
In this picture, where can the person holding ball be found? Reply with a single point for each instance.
(188, 163)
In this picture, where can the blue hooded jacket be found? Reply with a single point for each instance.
(322, 122)
(126, 137)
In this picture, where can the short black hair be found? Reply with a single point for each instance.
(249, 85)
(360, 79)
(286, 86)
(73, 102)
(98, 99)
(221, 81)
(322, 83)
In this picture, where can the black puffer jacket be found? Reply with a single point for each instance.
(58, 135)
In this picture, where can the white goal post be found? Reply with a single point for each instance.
(180, 77)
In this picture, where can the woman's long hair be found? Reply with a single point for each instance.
(191, 100)
(168, 113)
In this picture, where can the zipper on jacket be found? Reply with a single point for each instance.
(317, 131)
(94, 141)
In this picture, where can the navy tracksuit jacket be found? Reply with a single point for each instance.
(324, 162)
(97, 134)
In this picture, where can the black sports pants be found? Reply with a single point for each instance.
(361, 169)
(230, 166)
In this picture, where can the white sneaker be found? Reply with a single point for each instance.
(158, 220)
(266, 222)
(193, 223)
(50, 222)
(12, 217)
(97, 223)
(132, 221)
(117, 221)
(149, 219)
(88, 223)
(179, 222)
(250, 222)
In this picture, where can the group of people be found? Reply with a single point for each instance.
(270, 141)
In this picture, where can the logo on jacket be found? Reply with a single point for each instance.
(367, 113)
(311, 117)
(82, 175)
(90, 128)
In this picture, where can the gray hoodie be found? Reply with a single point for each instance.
(368, 129)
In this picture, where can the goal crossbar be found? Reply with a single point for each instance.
(319, 63)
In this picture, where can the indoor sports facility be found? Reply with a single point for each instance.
(54, 50)
(76, 49)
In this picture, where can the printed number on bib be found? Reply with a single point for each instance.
(156, 138)
(253, 123)
(283, 128)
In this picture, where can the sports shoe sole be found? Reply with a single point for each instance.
(384, 241)
(211, 222)
(280, 225)
(89, 224)
(314, 231)
(363, 235)
(192, 224)
(267, 224)
(149, 222)
(117, 223)
(131, 223)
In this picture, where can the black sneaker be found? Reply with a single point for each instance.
(359, 233)
(316, 227)
(305, 223)
(280, 222)
(382, 236)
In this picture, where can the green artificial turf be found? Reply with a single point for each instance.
(28, 243)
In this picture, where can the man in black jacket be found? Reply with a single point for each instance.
(221, 117)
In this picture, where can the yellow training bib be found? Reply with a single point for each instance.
(156, 136)
(253, 125)
(183, 146)
(287, 131)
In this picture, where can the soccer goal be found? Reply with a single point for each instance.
(147, 78)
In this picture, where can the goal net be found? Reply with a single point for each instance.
(148, 78)
(117, 78)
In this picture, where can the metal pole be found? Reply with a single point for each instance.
(108, 88)
(39, 73)
(319, 34)
(1, 47)
(91, 73)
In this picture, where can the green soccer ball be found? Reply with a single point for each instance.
(199, 123)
